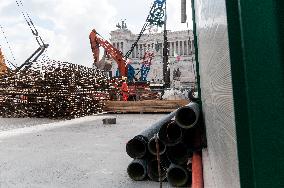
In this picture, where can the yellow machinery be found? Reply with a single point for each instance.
(3, 66)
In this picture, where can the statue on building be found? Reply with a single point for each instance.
(122, 26)
(118, 26)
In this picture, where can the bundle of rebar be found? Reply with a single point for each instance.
(53, 89)
(164, 150)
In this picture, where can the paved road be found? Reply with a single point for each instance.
(15, 123)
(76, 153)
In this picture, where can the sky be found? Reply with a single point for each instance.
(65, 25)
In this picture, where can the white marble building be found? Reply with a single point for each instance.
(181, 53)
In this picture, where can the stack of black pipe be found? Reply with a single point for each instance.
(176, 134)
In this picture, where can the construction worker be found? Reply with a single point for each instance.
(124, 89)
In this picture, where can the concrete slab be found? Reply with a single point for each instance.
(208, 177)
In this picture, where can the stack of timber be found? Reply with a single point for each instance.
(146, 106)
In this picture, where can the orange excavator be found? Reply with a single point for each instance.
(3, 66)
(138, 90)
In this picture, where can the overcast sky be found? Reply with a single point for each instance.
(65, 25)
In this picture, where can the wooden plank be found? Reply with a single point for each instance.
(148, 102)
(147, 106)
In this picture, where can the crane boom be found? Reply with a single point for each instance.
(42, 45)
(97, 41)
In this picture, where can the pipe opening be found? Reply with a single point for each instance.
(153, 170)
(188, 138)
(177, 176)
(170, 134)
(173, 132)
(136, 148)
(178, 154)
(186, 117)
(152, 147)
(136, 171)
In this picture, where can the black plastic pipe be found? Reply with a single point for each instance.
(170, 134)
(137, 147)
(137, 169)
(188, 138)
(178, 154)
(178, 176)
(152, 168)
(187, 116)
(152, 146)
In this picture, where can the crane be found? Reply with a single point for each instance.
(42, 45)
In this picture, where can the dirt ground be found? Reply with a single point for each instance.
(75, 153)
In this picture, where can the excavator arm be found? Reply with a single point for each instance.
(3, 66)
(97, 41)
